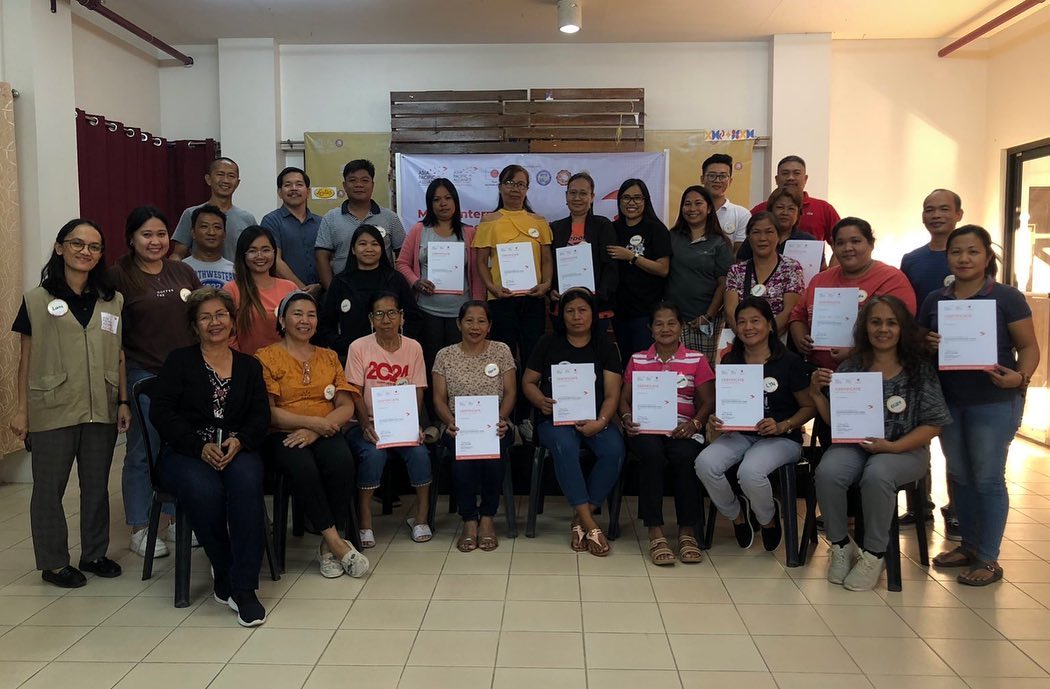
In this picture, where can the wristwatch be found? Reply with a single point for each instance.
(634, 259)
(124, 402)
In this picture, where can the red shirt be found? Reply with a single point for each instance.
(692, 369)
(817, 217)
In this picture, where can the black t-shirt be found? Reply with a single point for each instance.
(82, 306)
(554, 349)
(791, 374)
(639, 291)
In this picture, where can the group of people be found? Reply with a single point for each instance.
(268, 340)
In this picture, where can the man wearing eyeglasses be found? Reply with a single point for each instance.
(332, 248)
(716, 174)
(816, 216)
(223, 178)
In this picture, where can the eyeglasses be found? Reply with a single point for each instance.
(632, 199)
(388, 315)
(520, 186)
(208, 318)
(80, 245)
(716, 176)
(265, 251)
(306, 373)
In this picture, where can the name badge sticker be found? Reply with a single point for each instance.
(344, 306)
(534, 233)
(109, 322)
(758, 290)
(184, 294)
(492, 370)
(896, 404)
(329, 392)
(57, 308)
(770, 384)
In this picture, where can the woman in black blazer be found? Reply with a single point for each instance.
(212, 413)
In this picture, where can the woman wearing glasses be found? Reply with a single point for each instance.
(63, 411)
(256, 290)
(310, 402)
(155, 290)
(385, 358)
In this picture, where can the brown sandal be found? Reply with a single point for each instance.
(600, 545)
(577, 538)
(956, 557)
(660, 553)
(981, 574)
(466, 544)
(689, 550)
(487, 543)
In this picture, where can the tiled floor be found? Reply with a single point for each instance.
(534, 614)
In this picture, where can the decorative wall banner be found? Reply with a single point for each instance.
(327, 152)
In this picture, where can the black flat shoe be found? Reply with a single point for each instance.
(68, 577)
(102, 567)
(744, 532)
(250, 612)
(772, 536)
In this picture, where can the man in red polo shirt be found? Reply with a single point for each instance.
(817, 216)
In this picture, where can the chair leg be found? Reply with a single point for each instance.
(386, 491)
(712, 514)
(298, 528)
(271, 559)
(809, 528)
(893, 556)
(151, 538)
(280, 521)
(535, 490)
(615, 502)
(436, 465)
(183, 548)
(508, 501)
(789, 505)
(920, 523)
(701, 524)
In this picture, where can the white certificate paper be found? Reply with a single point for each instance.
(856, 407)
(739, 401)
(808, 253)
(395, 416)
(575, 267)
(445, 262)
(834, 313)
(654, 401)
(517, 266)
(969, 338)
(572, 388)
(477, 418)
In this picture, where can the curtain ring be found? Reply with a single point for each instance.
(145, 137)
(129, 132)
(157, 141)
(111, 126)
(92, 120)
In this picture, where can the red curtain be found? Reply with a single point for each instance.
(123, 167)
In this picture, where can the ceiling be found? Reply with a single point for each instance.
(533, 21)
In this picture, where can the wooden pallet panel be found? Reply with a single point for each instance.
(477, 147)
(459, 121)
(457, 96)
(625, 120)
(563, 146)
(573, 133)
(432, 108)
(586, 94)
(445, 135)
(567, 107)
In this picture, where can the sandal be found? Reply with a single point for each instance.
(466, 544)
(956, 557)
(488, 543)
(421, 533)
(577, 538)
(981, 574)
(598, 545)
(689, 550)
(660, 553)
(368, 538)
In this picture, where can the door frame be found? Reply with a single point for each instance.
(1015, 159)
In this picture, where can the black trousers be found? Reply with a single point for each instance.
(654, 453)
(322, 476)
(437, 333)
(478, 477)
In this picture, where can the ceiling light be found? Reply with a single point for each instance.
(570, 16)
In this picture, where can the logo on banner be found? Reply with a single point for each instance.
(543, 178)
(563, 177)
(494, 173)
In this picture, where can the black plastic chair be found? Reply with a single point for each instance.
(183, 534)
(443, 460)
(539, 461)
(917, 496)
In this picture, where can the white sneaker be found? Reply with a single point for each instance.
(354, 563)
(138, 545)
(171, 536)
(331, 568)
(865, 574)
(840, 562)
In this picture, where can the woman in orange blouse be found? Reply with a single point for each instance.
(310, 402)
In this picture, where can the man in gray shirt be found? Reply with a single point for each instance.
(332, 249)
(223, 178)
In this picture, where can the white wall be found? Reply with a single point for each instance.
(904, 122)
(189, 96)
(113, 78)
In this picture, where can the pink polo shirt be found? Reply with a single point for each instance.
(690, 365)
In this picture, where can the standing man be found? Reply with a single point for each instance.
(223, 178)
(332, 248)
(716, 174)
(295, 229)
(817, 216)
(927, 270)
(209, 237)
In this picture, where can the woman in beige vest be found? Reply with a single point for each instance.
(72, 400)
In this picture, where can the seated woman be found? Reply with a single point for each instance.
(886, 341)
(476, 366)
(212, 413)
(310, 403)
(577, 341)
(696, 401)
(776, 440)
(381, 359)
(256, 290)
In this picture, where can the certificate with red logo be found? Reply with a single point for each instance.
(395, 416)
(740, 402)
(856, 407)
(572, 387)
(834, 313)
(517, 266)
(445, 261)
(969, 337)
(477, 418)
(654, 401)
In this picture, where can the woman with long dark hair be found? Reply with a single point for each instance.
(256, 290)
(70, 327)
(155, 290)
(886, 341)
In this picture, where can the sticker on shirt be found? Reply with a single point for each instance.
(636, 241)
(382, 231)
(770, 384)
(184, 294)
(329, 392)
(534, 233)
(862, 296)
(492, 370)
(949, 280)
(344, 306)
(896, 404)
(682, 380)
(402, 381)
(57, 308)
(758, 290)
(109, 322)
(277, 311)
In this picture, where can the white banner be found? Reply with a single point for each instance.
(477, 180)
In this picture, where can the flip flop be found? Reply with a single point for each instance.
(956, 557)
(421, 533)
(596, 537)
(577, 538)
(970, 578)
(368, 538)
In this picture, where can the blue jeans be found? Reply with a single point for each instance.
(225, 509)
(371, 461)
(136, 486)
(975, 446)
(564, 444)
(632, 335)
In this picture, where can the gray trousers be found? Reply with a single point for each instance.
(91, 445)
(758, 458)
(878, 476)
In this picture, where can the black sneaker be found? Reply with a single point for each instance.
(745, 533)
(68, 577)
(102, 567)
(772, 535)
(250, 612)
(951, 529)
(221, 589)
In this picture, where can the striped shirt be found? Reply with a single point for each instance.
(692, 369)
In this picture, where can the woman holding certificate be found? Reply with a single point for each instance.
(573, 379)
(474, 368)
(986, 405)
(887, 342)
(667, 373)
(776, 439)
(768, 275)
(700, 258)
(383, 359)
